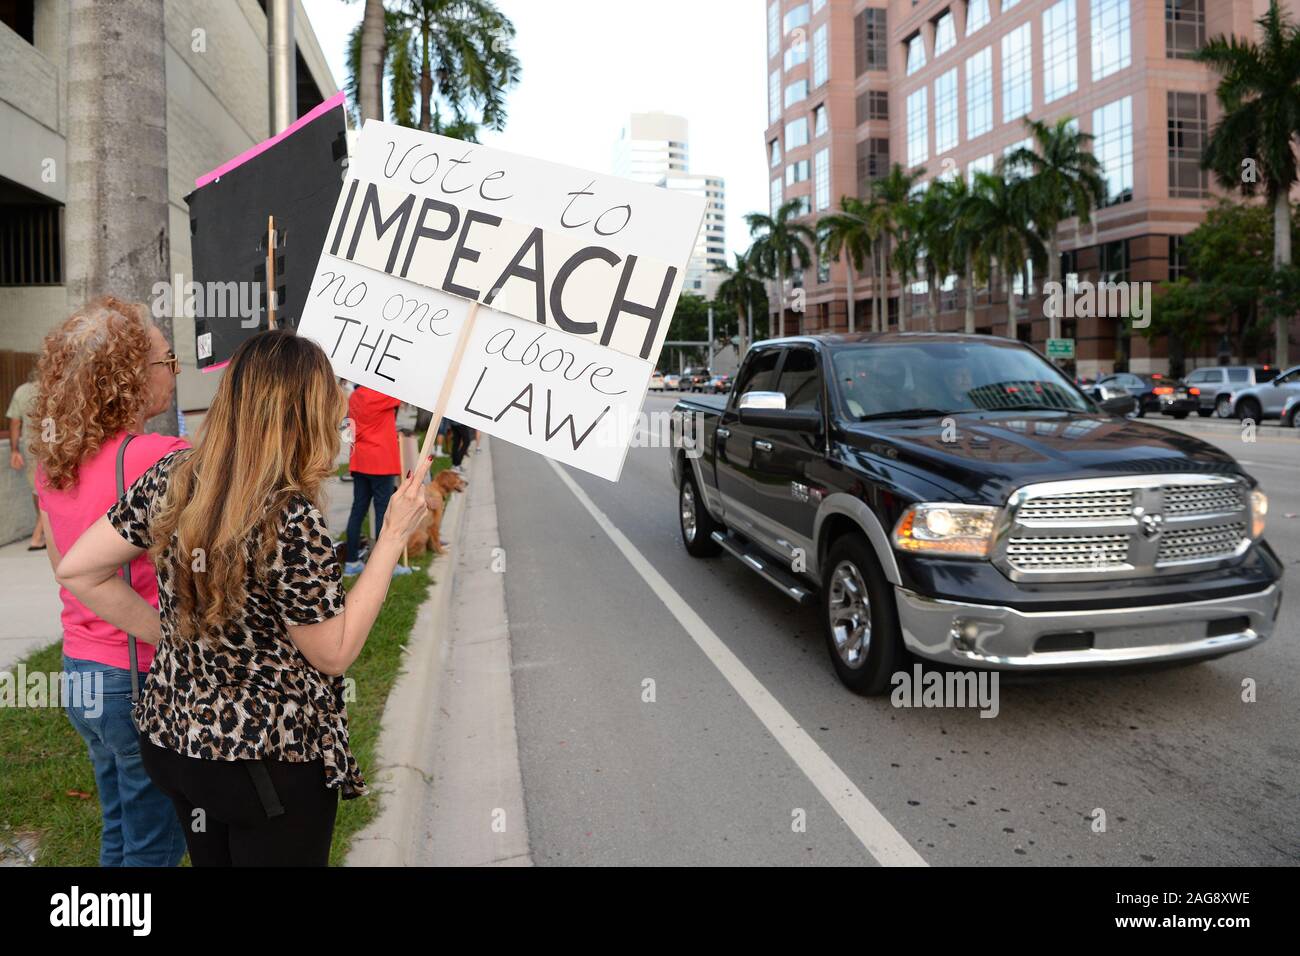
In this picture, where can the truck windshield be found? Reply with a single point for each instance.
(916, 379)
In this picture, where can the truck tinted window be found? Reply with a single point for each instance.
(1238, 375)
(760, 373)
(800, 379)
(918, 378)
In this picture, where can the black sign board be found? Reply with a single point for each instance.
(265, 212)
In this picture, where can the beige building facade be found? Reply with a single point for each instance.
(217, 107)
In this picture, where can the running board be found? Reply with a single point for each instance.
(772, 573)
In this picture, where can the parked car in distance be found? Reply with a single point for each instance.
(958, 498)
(672, 382)
(1291, 413)
(657, 381)
(1114, 399)
(719, 384)
(1258, 402)
(694, 379)
(1154, 391)
(1217, 383)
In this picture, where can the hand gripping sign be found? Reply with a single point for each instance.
(516, 296)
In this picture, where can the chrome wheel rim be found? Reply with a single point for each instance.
(1223, 409)
(850, 615)
(688, 512)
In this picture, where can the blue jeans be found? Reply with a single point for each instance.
(365, 487)
(140, 824)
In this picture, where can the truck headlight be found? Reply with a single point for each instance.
(950, 530)
(1258, 511)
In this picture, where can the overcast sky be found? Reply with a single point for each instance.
(587, 64)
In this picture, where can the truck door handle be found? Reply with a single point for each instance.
(762, 445)
(723, 432)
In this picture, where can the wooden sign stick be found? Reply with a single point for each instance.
(444, 396)
(270, 272)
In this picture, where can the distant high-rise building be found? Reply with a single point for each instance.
(946, 85)
(655, 148)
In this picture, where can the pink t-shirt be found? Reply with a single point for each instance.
(71, 512)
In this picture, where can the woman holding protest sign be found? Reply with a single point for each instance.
(242, 719)
(102, 373)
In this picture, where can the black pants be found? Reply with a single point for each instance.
(228, 822)
(460, 436)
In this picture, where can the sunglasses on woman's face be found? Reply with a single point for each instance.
(172, 363)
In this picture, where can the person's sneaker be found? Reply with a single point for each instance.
(400, 569)
(353, 567)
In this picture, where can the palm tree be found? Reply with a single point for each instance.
(1259, 91)
(933, 238)
(1064, 179)
(117, 214)
(781, 246)
(890, 197)
(849, 233)
(740, 290)
(450, 52)
(970, 207)
(368, 74)
(1008, 239)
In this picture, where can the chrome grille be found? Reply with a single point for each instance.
(1194, 544)
(1097, 552)
(1202, 499)
(1132, 526)
(1078, 506)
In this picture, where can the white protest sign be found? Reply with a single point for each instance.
(577, 275)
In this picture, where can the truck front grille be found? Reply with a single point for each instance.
(1079, 506)
(1079, 552)
(1194, 544)
(1201, 499)
(1123, 527)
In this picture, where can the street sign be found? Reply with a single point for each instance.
(1060, 348)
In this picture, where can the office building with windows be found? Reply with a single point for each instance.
(655, 148)
(946, 85)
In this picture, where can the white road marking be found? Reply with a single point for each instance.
(859, 814)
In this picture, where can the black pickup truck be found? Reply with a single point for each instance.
(958, 498)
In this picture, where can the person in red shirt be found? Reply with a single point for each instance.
(375, 465)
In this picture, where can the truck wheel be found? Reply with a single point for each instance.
(1223, 407)
(1203, 412)
(1293, 418)
(859, 617)
(696, 523)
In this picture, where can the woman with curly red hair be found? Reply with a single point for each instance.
(102, 374)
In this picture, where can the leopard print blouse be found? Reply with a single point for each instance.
(252, 694)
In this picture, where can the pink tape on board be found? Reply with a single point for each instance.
(333, 102)
(213, 368)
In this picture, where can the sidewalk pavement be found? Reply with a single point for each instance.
(447, 764)
(29, 603)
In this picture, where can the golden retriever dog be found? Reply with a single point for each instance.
(444, 484)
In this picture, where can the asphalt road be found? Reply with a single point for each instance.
(1184, 770)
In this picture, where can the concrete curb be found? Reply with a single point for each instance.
(404, 771)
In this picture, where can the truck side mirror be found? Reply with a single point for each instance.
(773, 401)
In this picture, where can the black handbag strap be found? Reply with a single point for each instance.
(126, 568)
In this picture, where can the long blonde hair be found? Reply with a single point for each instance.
(92, 384)
(272, 432)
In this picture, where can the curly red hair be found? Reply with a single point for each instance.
(92, 384)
